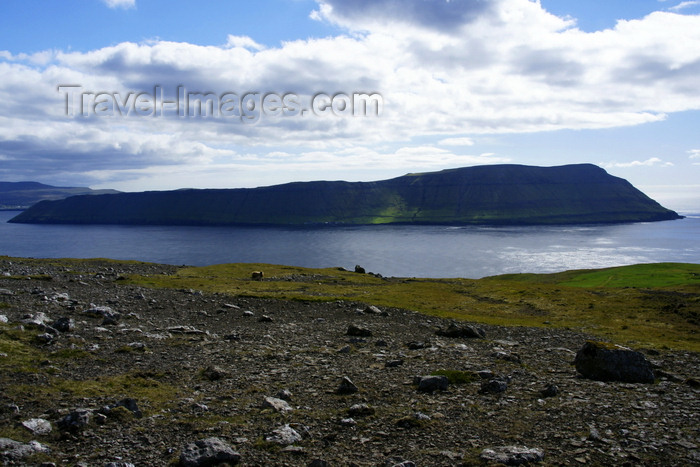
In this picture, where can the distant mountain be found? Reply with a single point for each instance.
(21, 195)
(495, 194)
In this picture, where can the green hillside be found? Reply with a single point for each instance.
(497, 194)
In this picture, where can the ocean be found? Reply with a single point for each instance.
(400, 251)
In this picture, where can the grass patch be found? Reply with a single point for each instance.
(20, 354)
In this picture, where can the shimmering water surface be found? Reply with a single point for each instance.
(407, 251)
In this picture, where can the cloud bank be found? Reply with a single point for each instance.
(448, 70)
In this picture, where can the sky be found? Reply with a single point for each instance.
(142, 95)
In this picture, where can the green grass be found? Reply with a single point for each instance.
(639, 276)
(654, 305)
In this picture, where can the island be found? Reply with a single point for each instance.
(482, 195)
(16, 196)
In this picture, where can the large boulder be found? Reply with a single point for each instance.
(608, 362)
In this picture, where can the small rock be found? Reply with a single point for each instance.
(433, 383)
(284, 394)
(550, 390)
(64, 324)
(214, 373)
(318, 463)
(357, 331)
(455, 331)
(108, 314)
(278, 405)
(284, 435)
(512, 455)
(361, 410)
(75, 421)
(346, 387)
(393, 363)
(493, 386)
(265, 319)
(208, 452)
(38, 426)
(359, 269)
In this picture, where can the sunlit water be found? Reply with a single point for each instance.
(407, 251)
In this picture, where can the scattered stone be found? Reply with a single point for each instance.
(455, 330)
(373, 310)
(75, 421)
(345, 349)
(346, 387)
(6, 292)
(64, 324)
(318, 463)
(506, 356)
(265, 319)
(14, 451)
(108, 314)
(348, 422)
(278, 405)
(185, 330)
(433, 383)
(357, 331)
(550, 390)
(393, 363)
(214, 373)
(208, 452)
(284, 435)
(38, 426)
(3, 319)
(418, 345)
(512, 455)
(361, 410)
(38, 319)
(45, 338)
(284, 394)
(493, 386)
(608, 362)
(248, 313)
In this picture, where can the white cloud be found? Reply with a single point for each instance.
(503, 66)
(243, 42)
(684, 5)
(456, 142)
(651, 162)
(126, 4)
(694, 153)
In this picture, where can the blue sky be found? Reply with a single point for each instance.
(465, 82)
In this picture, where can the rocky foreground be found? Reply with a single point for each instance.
(97, 372)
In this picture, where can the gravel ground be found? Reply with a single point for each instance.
(201, 365)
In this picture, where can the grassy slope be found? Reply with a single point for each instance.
(655, 305)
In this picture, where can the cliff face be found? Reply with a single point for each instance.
(496, 194)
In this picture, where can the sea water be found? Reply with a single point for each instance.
(402, 251)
